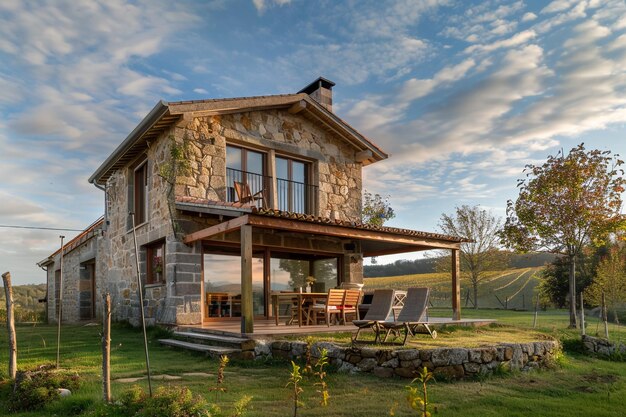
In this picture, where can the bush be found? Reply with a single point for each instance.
(166, 401)
(33, 390)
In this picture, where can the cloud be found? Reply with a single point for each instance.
(200, 91)
(262, 5)
(515, 40)
(529, 17)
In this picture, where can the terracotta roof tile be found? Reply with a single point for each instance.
(357, 225)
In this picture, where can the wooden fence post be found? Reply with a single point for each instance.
(582, 315)
(536, 311)
(106, 349)
(604, 317)
(8, 291)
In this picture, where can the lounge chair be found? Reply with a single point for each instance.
(382, 301)
(413, 314)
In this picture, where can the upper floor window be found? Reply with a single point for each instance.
(246, 167)
(138, 193)
(292, 183)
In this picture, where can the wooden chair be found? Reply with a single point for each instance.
(245, 196)
(350, 304)
(334, 301)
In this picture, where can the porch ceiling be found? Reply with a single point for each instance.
(375, 241)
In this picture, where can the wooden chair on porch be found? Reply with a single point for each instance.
(334, 301)
(350, 305)
(245, 196)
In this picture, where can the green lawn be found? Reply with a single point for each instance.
(582, 386)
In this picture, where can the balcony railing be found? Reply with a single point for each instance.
(292, 196)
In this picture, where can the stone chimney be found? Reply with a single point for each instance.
(321, 90)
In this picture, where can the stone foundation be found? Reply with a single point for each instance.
(446, 363)
(602, 347)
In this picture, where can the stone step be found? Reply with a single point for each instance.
(217, 339)
(212, 351)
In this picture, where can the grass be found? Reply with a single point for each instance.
(581, 386)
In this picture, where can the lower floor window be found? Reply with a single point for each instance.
(155, 260)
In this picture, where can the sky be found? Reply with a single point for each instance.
(461, 94)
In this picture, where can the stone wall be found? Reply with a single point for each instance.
(602, 347)
(72, 261)
(335, 169)
(447, 363)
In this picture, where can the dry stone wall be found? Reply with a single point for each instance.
(448, 363)
(602, 347)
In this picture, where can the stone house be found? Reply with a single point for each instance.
(233, 199)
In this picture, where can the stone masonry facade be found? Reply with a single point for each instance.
(72, 293)
(178, 300)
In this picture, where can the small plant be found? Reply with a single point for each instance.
(294, 380)
(220, 376)
(321, 374)
(308, 367)
(242, 405)
(418, 395)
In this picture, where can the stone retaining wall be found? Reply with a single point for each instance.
(446, 363)
(602, 347)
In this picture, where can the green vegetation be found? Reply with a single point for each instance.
(27, 305)
(581, 386)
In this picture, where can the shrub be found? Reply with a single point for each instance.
(33, 390)
(166, 401)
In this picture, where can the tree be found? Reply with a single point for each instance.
(568, 202)
(481, 254)
(610, 279)
(376, 210)
(554, 285)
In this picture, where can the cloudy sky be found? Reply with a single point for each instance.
(461, 94)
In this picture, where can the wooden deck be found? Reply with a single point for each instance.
(267, 328)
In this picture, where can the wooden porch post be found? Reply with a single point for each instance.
(456, 285)
(247, 312)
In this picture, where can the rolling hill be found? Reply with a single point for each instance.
(511, 288)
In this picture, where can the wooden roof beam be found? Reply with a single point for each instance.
(225, 227)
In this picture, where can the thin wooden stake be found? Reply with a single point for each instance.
(143, 319)
(60, 302)
(8, 292)
(582, 315)
(106, 349)
(604, 317)
(536, 311)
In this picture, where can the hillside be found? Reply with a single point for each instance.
(427, 265)
(25, 296)
(518, 285)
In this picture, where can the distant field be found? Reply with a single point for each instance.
(518, 285)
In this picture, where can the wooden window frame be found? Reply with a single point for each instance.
(154, 276)
(140, 193)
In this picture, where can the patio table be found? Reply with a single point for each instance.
(301, 297)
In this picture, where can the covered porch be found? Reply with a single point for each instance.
(263, 234)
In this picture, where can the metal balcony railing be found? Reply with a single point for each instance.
(292, 196)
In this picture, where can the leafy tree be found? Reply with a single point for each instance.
(376, 209)
(481, 254)
(554, 286)
(568, 202)
(611, 279)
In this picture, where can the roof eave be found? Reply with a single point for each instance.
(151, 118)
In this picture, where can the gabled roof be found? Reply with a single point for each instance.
(165, 114)
(81, 238)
